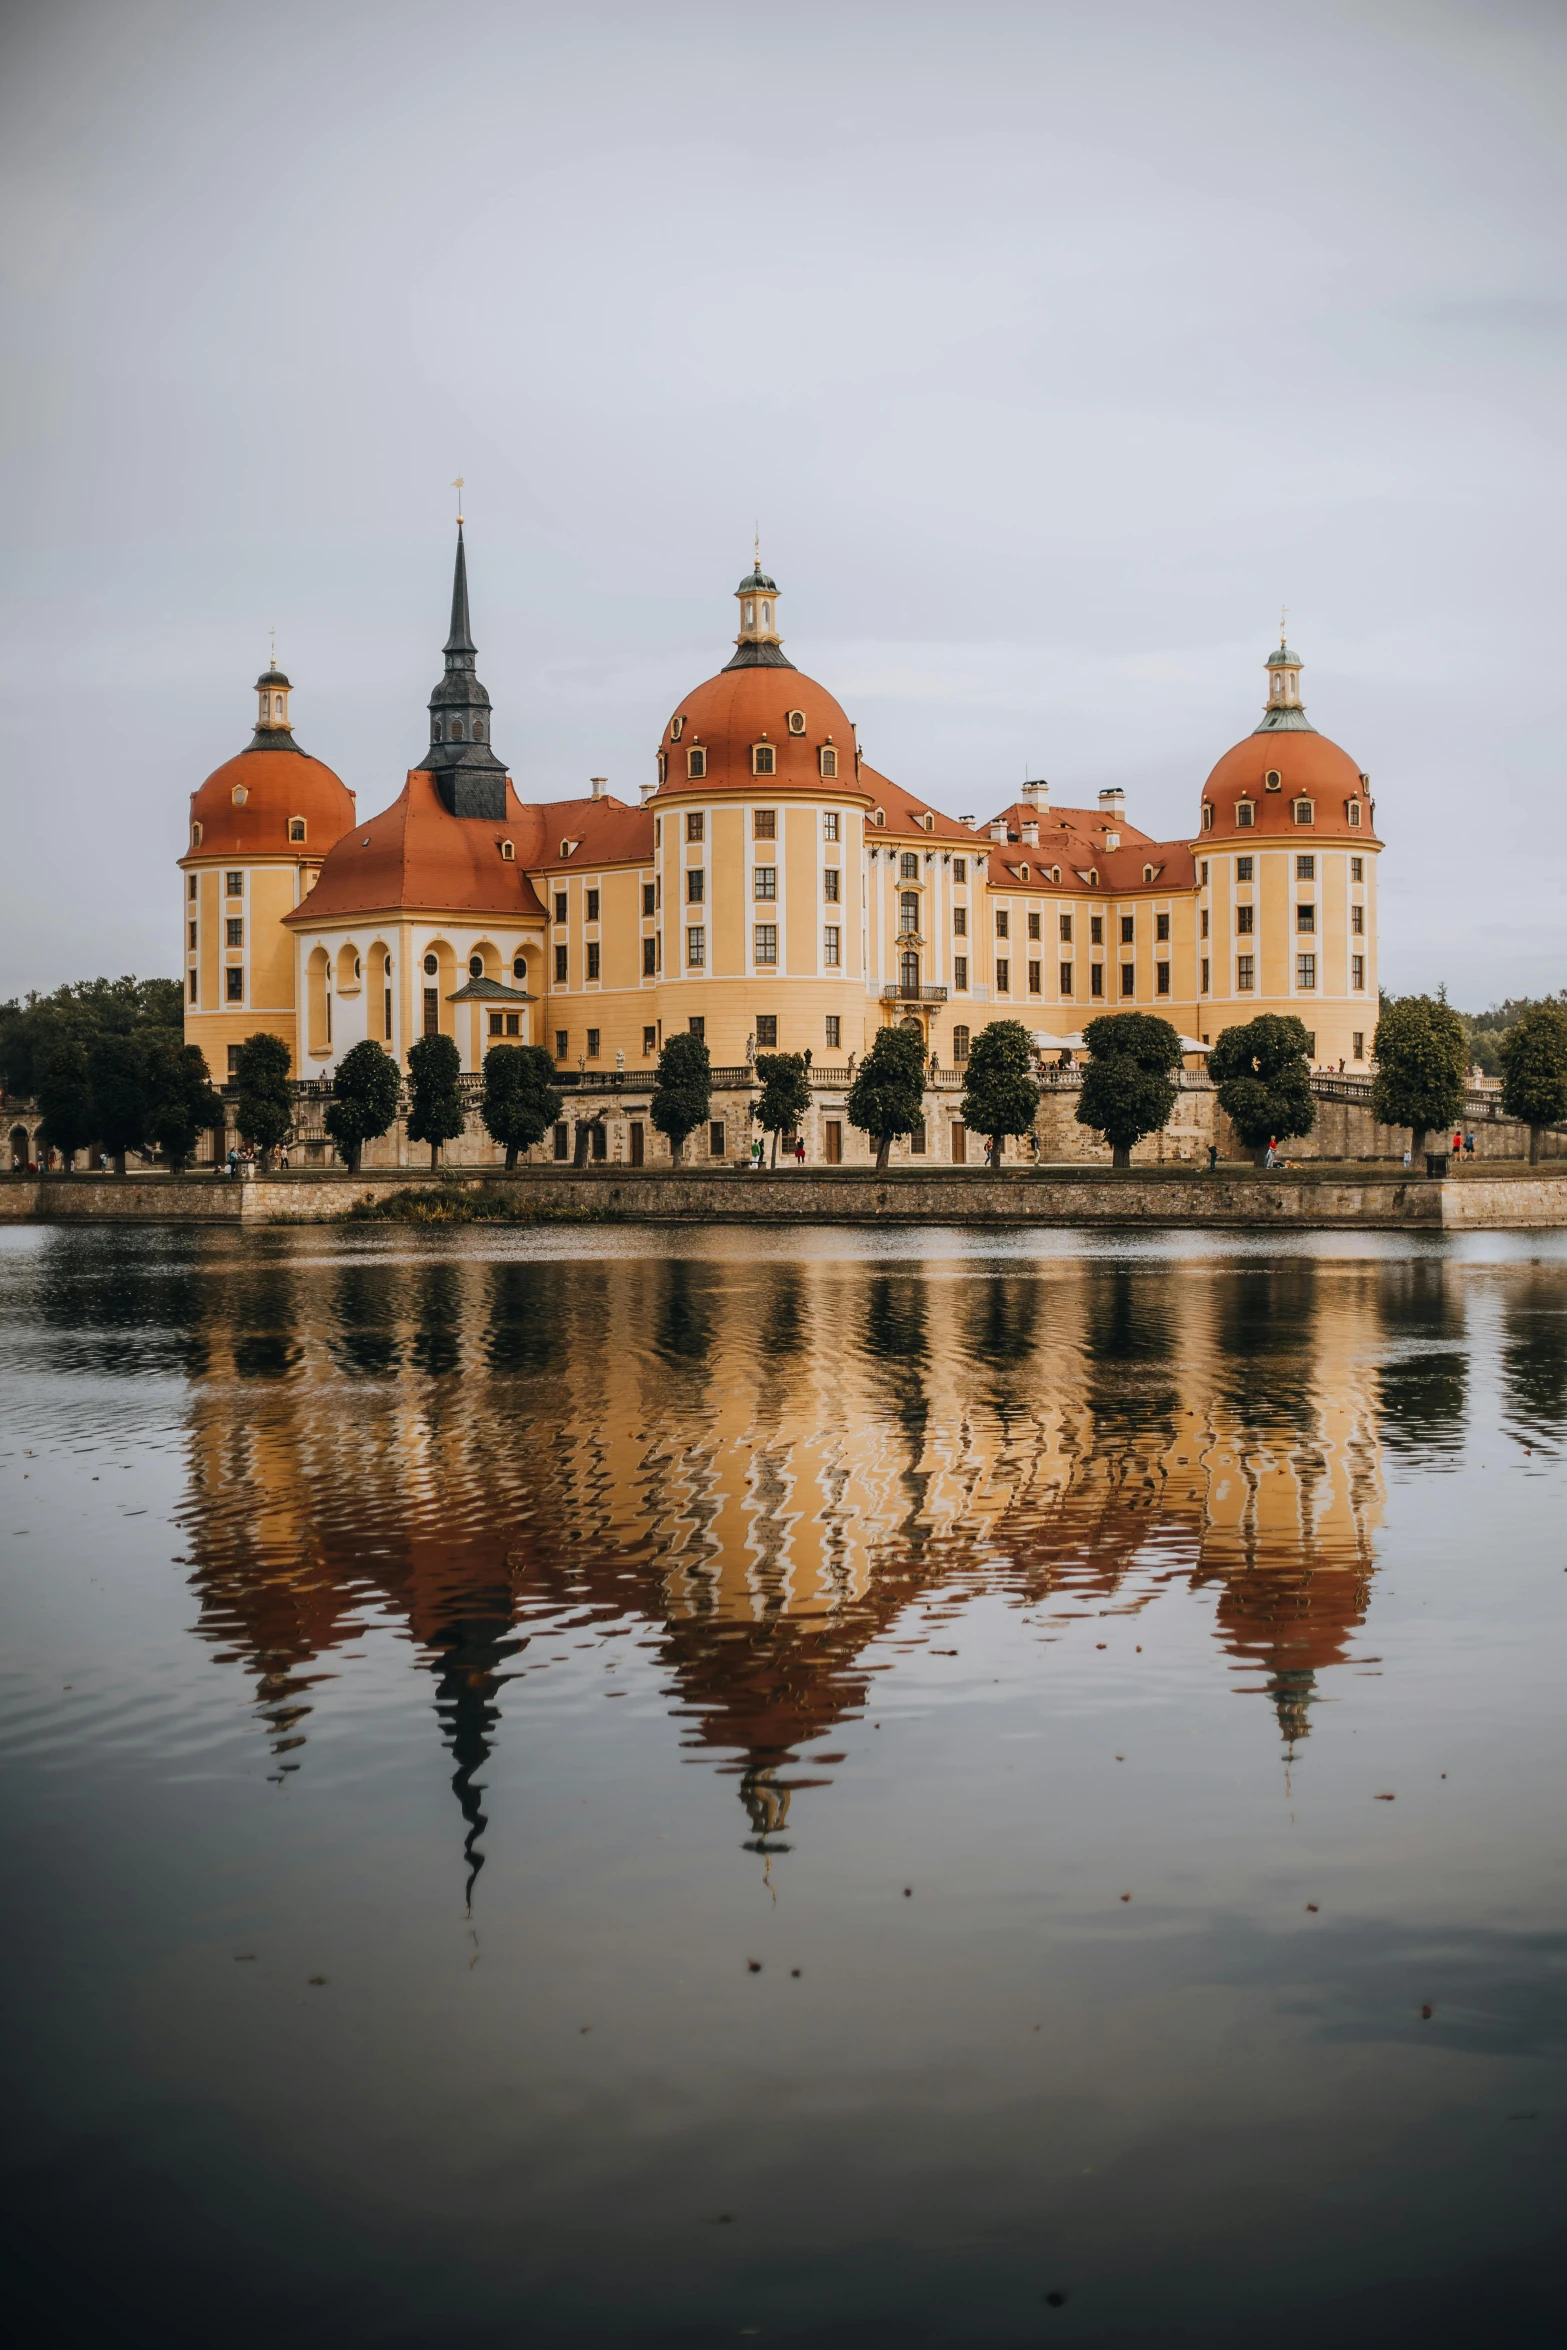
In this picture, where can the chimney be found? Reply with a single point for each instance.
(599, 781)
(1031, 832)
(1112, 805)
(646, 790)
(1037, 793)
(998, 830)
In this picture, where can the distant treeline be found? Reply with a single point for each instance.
(1485, 1030)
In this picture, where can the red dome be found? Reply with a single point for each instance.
(277, 785)
(740, 708)
(1306, 767)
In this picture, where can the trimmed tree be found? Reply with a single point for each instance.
(785, 1096)
(118, 1073)
(64, 1092)
(1533, 1054)
(1000, 1095)
(264, 1112)
(181, 1105)
(364, 1099)
(437, 1115)
(887, 1097)
(521, 1099)
(683, 1091)
(1422, 1057)
(1263, 1074)
(1128, 1086)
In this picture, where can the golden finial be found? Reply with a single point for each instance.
(757, 547)
(272, 636)
(457, 486)
(1284, 613)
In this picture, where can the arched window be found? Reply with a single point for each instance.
(827, 760)
(1207, 815)
(880, 816)
(277, 705)
(1245, 815)
(764, 760)
(696, 764)
(296, 828)
(456, 730)
(663, 767)
(1305, 812)
(908, 969)
(909, 911)
(509, 852)
(478, 730)
(909, 865)
(195, 836)
(767, 614)
(960, 1044)
(1354, 815)
(435, 730)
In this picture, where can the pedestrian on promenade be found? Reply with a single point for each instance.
(1458, 1146)
(1469, 1146)
(233, 1162)
(1213, 1157)
(799, 1151)
(1272, 1158)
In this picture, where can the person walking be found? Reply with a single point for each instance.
(233, 1162)
(799, 1151)
(1213, 1157)
(1469, 1146)
(1272, 1158)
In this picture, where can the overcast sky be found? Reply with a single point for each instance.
(1053, 346)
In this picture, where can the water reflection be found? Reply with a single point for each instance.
(778, 1478)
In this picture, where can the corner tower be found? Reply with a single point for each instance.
(468, 775)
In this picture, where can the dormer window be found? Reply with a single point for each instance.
(879, 816)
(1093, 877)
(1305, 812)
(764, 759)
(1055, 875)
(195, 836)
(1112, 840)
(1273, 780)
(239, 795)
(1207, 815)
(677, 727)
(508, 852)
(797, 722)
(1245, 814)
(827, 762)
(663, 767)
(696, 764)
(1354, 815)
(296, 828)
(1147, 873)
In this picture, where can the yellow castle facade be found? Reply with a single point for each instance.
(771, 890)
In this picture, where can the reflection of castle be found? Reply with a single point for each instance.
(770, 1468)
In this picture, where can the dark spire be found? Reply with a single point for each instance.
(470, 778)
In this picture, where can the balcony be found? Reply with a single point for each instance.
(913, 995)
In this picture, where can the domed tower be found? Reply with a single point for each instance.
(1286, 869)
(260, 827)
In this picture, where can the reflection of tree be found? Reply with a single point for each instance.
(1534, 1361)
(777, 1469)
(1424, 1382)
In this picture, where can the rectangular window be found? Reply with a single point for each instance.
(1161, 979)
(513, 1024)
(1066, 979)
(1357, 920)
(560, 966)
(1357, 1045)
(960, 972)
(1034, 979)
(767, 1031)
(191, 890)
(649, 954)
(497, 1024)
(235, 933)
(698, 1028)
(235, 986)
(834, 1031)
(1357, 971)
(193, 934)
(233, 1060)
(562, 1043)
(696, 885)
(593, 958)
(1128, 933)
(1357, 868)
(649, 899)
(1245, 972)
(696, 768)
(764, 760)
(386, 1016)
(592, 912)
(593, 1044)
(562, 1141)
(830, 879)
(1354, 815)
(1245, 921)
(1003, 928)
(764, 824)
(432, 1011)
(1066, 930)
(1161, 926)
(766, 942)
(715, 1138)
(830, 824)
(960, 921)
(1128, 979)
(1305, 918)
(1305, 813)
(1305, 970)
(1244, 815)
(560, 905)
(1205, 873)
(1305, 868)
(830, 937)
(960, 869)
(960, 1045)
(765, 881)
(1033, 926)
(1205, 975)
(696, 949)
(1203, 926)
(1096, 979)
(193, 987)
(1003, 977)
(234, 885)
(917, 1140)
(1096, 930)
(1243, 869)
(649, 1042)
(694, 824)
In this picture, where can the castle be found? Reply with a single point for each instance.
(770, 891)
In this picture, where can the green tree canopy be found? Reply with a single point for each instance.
(1263, 1072)
(1000, 1093)
(785, 1096)
(1422, 1058)
(1128, 1086)
(264, 1112)
(887, 1097)
(521, 1099)
(117, 1069)
(683, 1090)
(181, 1105)
(365, 1088)
(32, 1026)
(437, 1115)
(1534, 1070)
(63, 1090)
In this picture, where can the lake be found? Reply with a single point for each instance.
(1077, 1856)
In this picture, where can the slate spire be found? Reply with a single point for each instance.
(470, 778)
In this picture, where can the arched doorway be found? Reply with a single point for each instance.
(20, 1153)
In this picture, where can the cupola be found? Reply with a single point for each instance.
(1285, 709)
(758, 646)
(272, 692)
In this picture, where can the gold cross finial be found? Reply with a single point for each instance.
(758, 547)
(272, 634)
(1284, 613)
(457, 486)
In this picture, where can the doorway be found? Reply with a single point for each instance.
(959, 1144)
(832, 1141)
(636, 1143)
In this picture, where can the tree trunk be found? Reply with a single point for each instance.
(1417, 1149)
(435, 1156)
(511, 1158)
(1260, 1154)
(1535, 1133)
(1120, 1154)
(677, 1144)
(119, 1162)
(354, 1151)
(883, 1147)
(773, 1162)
